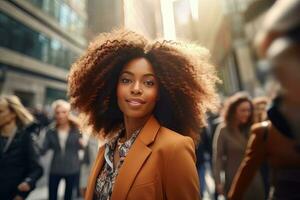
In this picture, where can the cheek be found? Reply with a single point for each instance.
(152, 96)
(121, 90)
(3, 116)
(246, 116)
(120, 94)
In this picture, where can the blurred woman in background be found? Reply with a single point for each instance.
(19, 165)
(230, 142)
(64, 139)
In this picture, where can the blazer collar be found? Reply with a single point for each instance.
(133, 162)
(138, 154)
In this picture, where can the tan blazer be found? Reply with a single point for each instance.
(159, 165)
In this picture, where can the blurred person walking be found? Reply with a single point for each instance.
(260, 109)
(278, 140)
(64, 138)
(90, 154)
(19, 160)
(229, 145)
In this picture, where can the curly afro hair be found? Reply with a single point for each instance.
(185, 76)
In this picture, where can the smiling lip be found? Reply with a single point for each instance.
(135, 102)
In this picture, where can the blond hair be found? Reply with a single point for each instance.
(73, 119)
(14, 103)
(61, 103)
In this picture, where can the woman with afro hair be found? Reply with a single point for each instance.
(148, 98)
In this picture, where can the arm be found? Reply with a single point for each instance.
(34, 169)
(219, 154)
(181, 173)
(46, 143)
(255, 154)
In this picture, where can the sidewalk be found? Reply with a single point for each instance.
(41, 192)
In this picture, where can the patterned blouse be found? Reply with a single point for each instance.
(106, 179)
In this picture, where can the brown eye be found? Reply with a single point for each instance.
(125, 80)
(149, 83)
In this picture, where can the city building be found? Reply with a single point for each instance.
(39, 39)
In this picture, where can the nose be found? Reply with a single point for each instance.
(136, 89)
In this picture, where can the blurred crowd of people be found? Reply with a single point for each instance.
(26, 137)
(252, 145)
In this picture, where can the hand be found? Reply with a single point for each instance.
(82, 191)
(24, 187)
(220, 189)
(18, 198)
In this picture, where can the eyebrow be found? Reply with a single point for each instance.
(130, 73)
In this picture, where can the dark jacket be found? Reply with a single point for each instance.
(19, 162)
(67, 162)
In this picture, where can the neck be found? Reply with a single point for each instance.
(133, 124)
(235, 126)
(8, 128)
(63, 127)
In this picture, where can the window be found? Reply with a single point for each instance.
(54, 94)
(60, 11)
(18, 37)
(65, 12)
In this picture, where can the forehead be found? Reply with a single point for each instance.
(61, 108)
(138, 66)
(3, 103)
(244, 104)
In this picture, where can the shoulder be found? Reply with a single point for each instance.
(221, 131)
(50, 130)
(75, 130)
(172, 135)
(169, 139)
(221, 128)
(260, 129)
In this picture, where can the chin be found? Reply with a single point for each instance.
(243, 122)
(136, 114)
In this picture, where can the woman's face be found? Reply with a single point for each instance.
(137, 89)
(61, 115)
(243, 112)
(6, 115)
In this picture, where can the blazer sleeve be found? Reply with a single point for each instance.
(219, 153)
(181, 173)
(254, 156)
(34, 168)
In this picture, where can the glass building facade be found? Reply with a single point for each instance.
(16, 36)
(39, 40)
(68, 13)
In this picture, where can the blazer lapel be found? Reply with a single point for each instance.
(133, 162)
(94, 174)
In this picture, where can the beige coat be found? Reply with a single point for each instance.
(228, 151)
